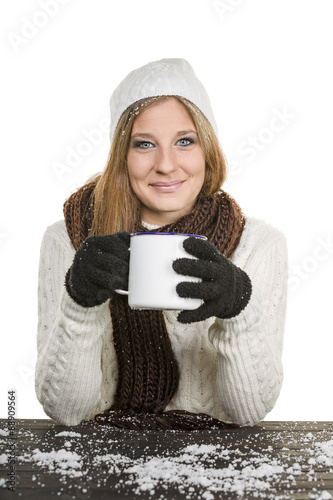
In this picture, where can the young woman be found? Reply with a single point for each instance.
(97, 358)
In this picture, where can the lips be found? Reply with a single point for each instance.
(167, 187)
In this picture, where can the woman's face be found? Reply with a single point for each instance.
(166, 163)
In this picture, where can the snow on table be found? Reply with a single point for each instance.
(274, 460)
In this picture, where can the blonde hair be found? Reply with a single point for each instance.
(116, 207)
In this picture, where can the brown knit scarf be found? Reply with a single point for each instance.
(148, 373)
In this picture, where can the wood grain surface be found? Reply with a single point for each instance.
(276, 460)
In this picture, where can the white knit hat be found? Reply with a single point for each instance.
(164, 77)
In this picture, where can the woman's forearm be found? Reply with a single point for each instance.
(249, 371)
(68, 371)
(70, 337)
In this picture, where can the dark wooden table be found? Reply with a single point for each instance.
(275, 460)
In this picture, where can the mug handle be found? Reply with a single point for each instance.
(122, 292)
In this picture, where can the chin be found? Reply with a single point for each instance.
(177, 208)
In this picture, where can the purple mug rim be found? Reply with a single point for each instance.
(170, 234)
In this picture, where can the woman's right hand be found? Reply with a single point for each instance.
(100, 266)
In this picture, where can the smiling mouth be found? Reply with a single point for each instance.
(167, 187)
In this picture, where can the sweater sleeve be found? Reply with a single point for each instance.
(69, 340)
(249, 346)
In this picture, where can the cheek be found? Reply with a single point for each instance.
(201, 179)
(198, 166)
(138, 168)
(201, 175)
(133, 168)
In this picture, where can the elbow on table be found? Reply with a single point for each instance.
(248, 419)
(69, 419)
(61, 413)
(250, 412)
(65, 408)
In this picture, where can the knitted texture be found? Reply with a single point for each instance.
(224, 288)
(158, 78)
(230, 369)
(100, 266)
(148, 372)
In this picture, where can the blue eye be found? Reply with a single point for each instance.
(143, 144)
(185, 141)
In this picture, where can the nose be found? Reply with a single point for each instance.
(166, 162)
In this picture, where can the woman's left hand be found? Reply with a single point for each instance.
(225, 288)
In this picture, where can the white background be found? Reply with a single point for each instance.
(258, 59)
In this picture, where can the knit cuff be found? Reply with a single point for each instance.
(247, 319)
(79, 314)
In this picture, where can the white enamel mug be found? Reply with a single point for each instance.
(152, 281)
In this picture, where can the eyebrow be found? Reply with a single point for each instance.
(180, 132)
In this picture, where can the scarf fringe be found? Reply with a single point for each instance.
(169, 420)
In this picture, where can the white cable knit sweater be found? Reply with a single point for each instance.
(230, 369)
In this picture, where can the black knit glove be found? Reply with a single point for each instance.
(225, 288)
(100, 266)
